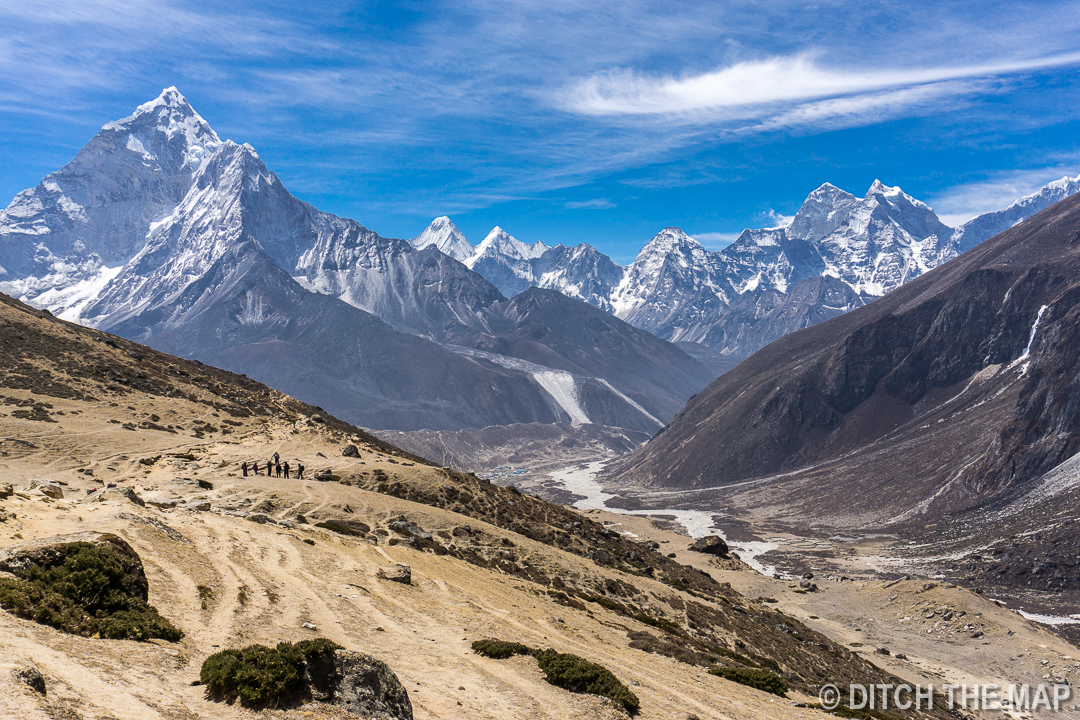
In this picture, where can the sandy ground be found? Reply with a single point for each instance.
(263, 582)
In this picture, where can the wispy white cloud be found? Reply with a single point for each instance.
(596, 204)
(771, 81)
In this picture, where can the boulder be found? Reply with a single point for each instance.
(52, 550)
(326, 476)
(404, 527)
(260, 518)
(200, 505)
(710, 545)
(47, 487)
(351, 451)
(397, 573)
(6, 491)
(358, 684)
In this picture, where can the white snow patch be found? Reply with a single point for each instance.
(59, 295)
(1027, 351)
(560, 385)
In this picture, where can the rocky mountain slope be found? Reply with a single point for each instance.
(203, 252)
(951, 392)
(375, 549)
(839, 252)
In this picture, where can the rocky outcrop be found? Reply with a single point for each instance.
(359, 684)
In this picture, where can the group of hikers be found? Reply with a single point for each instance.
(273, 465)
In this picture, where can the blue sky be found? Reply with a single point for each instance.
(566, 123)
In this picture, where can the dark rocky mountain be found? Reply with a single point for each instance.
(954, 390)
(579, 347)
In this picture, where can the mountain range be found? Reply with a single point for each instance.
(160, 231)
(839, 252)
(953, 398)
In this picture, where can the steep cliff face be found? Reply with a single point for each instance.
(961, 382)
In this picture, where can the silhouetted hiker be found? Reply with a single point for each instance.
(276, 458)
(278, 469)
(299, 471)
(244, 468)
(286, 467)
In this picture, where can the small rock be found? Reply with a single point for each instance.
(131, 496)
(309, 626)
(6, 491)
(397, 573)
(711, 545)
(326, 476)
(260, 518)
(977, 634)
(163, 504)
(882, 651)
(32, 677)
(200, 505)
(900, 656)
(350, 451)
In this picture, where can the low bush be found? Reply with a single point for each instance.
(88, 592)
(501, 649)
(767, 663)
(760, 679)
(732, 655)
(569, 672)
(579, 675)
(660, 623)
(259, 675)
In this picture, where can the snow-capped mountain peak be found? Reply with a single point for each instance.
(502, 242)
(167, 119)
(445, 235)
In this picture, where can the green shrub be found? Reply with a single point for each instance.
(660, 623)
(260, 675)
(607, 603)
(767, 663)
(732, 655)
(569, 672)
(500, 649)
(760, 679)
(579, 675)
(89, 592)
